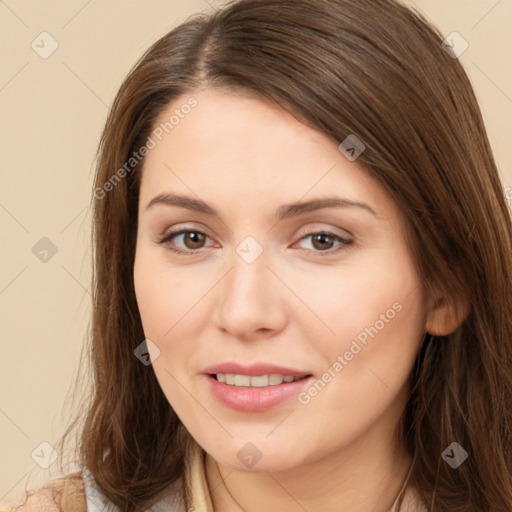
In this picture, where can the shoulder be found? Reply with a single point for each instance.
(40, 501)
(170, 500)
(77, 492)
(64, 494)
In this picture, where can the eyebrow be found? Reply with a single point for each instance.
(284, 212)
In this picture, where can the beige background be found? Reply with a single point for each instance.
(52, 113)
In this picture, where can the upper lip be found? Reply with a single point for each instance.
(254, 369)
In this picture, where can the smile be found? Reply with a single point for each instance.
(255, 381)
(255, 393)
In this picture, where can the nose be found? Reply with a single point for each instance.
(250, 300)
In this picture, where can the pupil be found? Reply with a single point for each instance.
(320, 238)
(193, 235)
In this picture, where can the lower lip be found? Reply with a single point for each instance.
(252, 399)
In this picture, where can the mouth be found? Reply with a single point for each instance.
(260, 392)
(256, 381)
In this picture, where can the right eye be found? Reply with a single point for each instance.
(196, 240)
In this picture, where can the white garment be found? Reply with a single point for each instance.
(96, 502)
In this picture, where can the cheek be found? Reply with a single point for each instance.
(172, 304)
(378, 291)
(377, 312)
(378, 317)
(162, 293)
(163, 300)
(152, 300)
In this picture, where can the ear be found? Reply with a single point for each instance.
(446, 311)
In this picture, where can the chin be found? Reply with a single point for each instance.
(258, 455)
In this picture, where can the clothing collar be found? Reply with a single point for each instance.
(198, 494)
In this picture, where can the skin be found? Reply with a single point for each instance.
(247, 157)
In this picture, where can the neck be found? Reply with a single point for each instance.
(367, 475)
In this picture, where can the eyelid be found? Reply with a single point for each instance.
(178, 228)
(331, 230)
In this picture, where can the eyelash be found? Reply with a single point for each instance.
(344, 243)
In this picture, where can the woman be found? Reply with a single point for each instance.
(240, 364)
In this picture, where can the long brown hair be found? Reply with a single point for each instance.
(376, 69)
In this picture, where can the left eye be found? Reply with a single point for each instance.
(319, 238)
(196, 240)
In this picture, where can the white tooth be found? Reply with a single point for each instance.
(275, 379)
(242, 380)
(259, 381)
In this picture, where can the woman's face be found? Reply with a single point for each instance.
(263, 289)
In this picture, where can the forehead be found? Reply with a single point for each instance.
(248, 127)
(232, 145)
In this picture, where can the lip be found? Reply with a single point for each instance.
(254, 399)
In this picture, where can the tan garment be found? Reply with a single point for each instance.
(200, 500)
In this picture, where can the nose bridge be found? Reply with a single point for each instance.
(248, 262)
(249, 276)
(248, 300)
